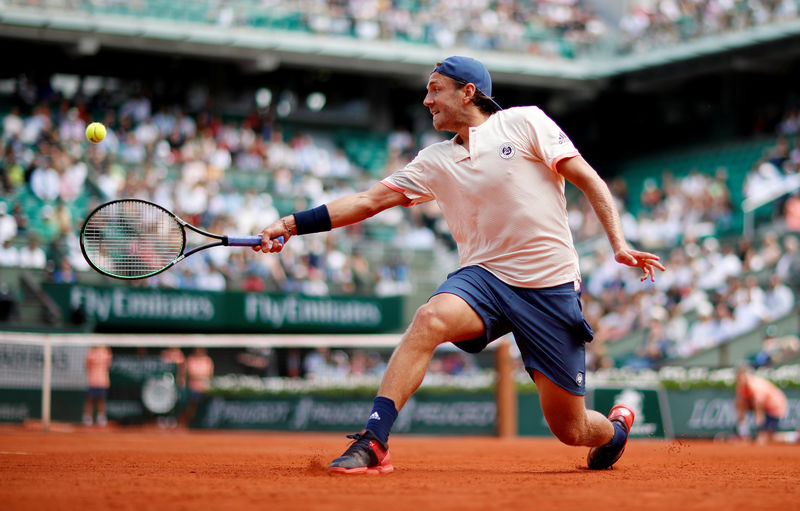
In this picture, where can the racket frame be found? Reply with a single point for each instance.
(221, 240)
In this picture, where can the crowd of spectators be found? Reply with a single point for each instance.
(720, 284)
(551, 28)
(51, 177)
(556, 28)
(652, 24)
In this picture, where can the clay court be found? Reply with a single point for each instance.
(75, 468)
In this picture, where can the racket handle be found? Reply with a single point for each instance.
(246, 241)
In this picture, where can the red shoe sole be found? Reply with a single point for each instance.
(380, 469)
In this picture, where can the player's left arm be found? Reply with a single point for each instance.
(577, 171)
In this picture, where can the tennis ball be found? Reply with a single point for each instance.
(95, 132)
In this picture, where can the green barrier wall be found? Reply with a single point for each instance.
(451, 414)
(660, 413)
(19, 405)
(139, 309)
(650, 421)
(704, 413)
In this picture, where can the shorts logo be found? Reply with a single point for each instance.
(507, 151)
(579, 379)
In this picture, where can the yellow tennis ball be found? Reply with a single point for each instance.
(95, 132)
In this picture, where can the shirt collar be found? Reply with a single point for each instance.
(458, 151)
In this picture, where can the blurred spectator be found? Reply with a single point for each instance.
(779, 300)
(393, 278)
(323, 363)
(9, 254)
(702, 334)
(32, 255)
(8, 224)
(764, 179)
(791, 210)
(174, 355)
(770, 251)
(258, 361)
(211, 279)
(12, 124)
(655, 348)
(789, 263)
(64, 274)
(776, 350)
(199, 370)
(45, 181)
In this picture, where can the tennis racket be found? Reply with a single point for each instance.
(136, 239)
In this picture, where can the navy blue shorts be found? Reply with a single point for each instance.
(97, 392)
(770, 423)
(548, 323)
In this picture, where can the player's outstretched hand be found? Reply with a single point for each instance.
(270, 241)
(645, 260)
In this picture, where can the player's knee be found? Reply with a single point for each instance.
(429, 320)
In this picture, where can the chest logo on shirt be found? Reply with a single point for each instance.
(507, 150)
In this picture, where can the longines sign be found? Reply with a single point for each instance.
(144, 309)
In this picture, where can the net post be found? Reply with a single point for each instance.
(505, 391)
(47, 373)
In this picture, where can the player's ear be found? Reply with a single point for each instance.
(469, 93)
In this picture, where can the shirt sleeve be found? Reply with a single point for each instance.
(411, 182)
(549, 141)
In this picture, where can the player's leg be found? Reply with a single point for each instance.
(88, 409)
(102, 420)
(768, 431)
(567, 416)
(573, 424)
(444, 318)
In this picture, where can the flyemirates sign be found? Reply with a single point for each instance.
(124, 308)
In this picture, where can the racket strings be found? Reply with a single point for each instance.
(132, 239)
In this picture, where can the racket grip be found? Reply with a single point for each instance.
(247, 241)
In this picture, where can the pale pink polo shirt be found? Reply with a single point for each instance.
(502, 199)
(98, 362)
(765, 395)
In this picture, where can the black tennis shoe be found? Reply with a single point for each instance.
(605, 456)
(366, 455)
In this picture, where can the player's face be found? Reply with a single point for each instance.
(444, 101)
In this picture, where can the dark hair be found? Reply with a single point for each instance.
(480, 100)
(483, 102)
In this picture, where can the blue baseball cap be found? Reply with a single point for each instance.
(468, 70)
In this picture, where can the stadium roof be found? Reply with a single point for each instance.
(266, 50)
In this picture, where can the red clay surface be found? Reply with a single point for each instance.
(143, 469)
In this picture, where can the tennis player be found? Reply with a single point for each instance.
(764, 399)
(500, 185)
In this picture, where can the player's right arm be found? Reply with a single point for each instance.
(346, 210)
(354, 208)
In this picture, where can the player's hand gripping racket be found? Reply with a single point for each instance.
(136, 239)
